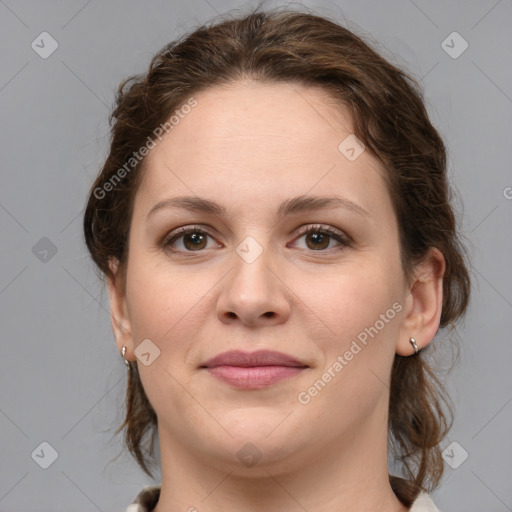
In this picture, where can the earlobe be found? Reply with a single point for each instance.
(118, 311)
(424, 305)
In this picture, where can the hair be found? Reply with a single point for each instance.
(389, 117)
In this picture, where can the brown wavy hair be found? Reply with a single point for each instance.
(389, 117)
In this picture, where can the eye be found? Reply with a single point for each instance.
(195, 239)
(191, 239)
(319, 238)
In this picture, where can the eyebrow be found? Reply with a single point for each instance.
(288, 207)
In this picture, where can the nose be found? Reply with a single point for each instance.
(254, 294)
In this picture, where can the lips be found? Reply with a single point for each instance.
(253, 370)
(253, 359)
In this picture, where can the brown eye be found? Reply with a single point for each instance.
(320, 238)
(316, 240)
(194, 241)
(187, 240)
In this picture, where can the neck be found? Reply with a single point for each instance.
(350, 474)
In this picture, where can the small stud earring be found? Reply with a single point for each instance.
(412, 341)
(123, 353)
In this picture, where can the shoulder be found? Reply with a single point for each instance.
(146, 500)
(423, 503)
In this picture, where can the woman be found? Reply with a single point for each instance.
(274, 227)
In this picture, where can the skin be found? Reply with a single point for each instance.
(248, 147)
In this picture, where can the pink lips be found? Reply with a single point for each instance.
(253, 370)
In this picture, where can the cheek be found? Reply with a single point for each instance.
(361, 308)
(361, 315)
(353, 299)
(169, 308)
(161, 304)
(172, 306)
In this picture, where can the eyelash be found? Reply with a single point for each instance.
(344, 240)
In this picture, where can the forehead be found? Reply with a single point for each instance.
(253, 113)
(259, 138)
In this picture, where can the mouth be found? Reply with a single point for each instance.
(253, 370)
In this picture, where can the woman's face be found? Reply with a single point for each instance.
(248, 277)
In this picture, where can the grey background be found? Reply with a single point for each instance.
(61, 378)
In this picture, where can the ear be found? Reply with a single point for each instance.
(119, 312)
(423, 305)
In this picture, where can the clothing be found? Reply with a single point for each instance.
(423, 503)
(147, 499)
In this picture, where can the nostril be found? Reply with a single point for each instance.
(269, 314)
